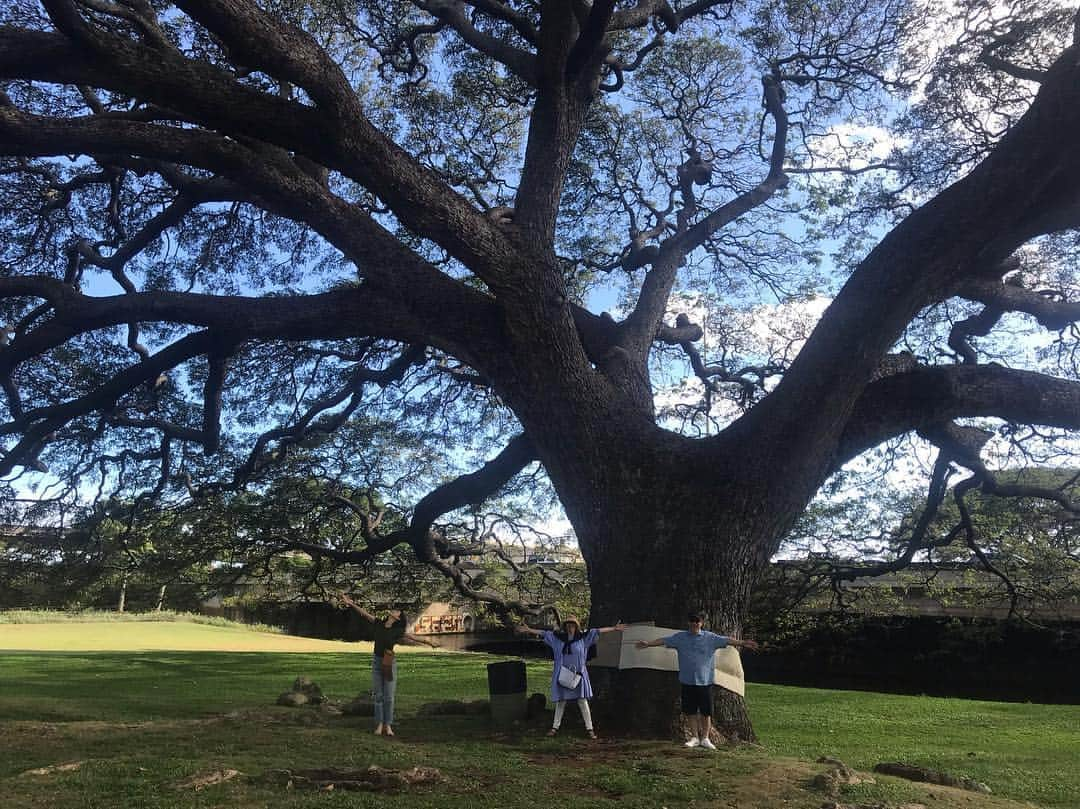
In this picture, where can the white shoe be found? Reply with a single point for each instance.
(692, 743)
(707, 744)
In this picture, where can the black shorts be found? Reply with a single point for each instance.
(697, 699)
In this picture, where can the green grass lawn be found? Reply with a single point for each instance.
(1019, 749)
(139, 637)
(141, 722)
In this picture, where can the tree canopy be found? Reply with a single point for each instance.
(421, 247)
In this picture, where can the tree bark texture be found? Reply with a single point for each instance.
(660, 543)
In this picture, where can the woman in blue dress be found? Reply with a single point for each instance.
(570, 677)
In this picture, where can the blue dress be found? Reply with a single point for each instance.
(579, 648)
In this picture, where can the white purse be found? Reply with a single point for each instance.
(569, 678)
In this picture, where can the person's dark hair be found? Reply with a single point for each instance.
(695, 616)
(402, 619)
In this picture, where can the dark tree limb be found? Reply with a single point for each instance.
(640, 327)
(774, 180)
(280, 184)
(37, 424)
(214, 99)
(503, 11)
(1047, 307)
(926, 397)
(343, 313)
(590, 37)
(554, 125)
(976, 223)
(519, 62)
(310, 423)
(978, 325)
(640, 14)
(919, 539)
(990, 58)
(175, 431)
(428, 544)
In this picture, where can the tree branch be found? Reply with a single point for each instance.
(974, 224)
(927, 397)
(585, 49)
(1045, 306)
(503, 11)
(307, 425)
(214, 99)
(406, 283)
(451, 12)
(692, 237)
(469, 489)
(37, 424)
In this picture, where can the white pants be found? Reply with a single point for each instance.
(583, 706)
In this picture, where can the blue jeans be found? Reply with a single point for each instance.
(383, 691)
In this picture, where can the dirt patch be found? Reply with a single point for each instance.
(69, 766)
(777, 782)
(598, 751)
(373, 779)
(790, 784)
(96, 727)
(474, 779)
(199, 782)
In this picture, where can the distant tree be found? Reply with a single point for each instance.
(100, 561)
(388, 220)
(1022, 551)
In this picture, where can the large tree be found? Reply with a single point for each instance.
(314, 213)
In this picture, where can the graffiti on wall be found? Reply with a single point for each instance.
(448, 622)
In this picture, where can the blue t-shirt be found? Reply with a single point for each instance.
(696, 655)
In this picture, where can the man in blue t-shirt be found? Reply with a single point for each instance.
(696, 648)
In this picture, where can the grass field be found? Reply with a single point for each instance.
(141, 722)
(137, 637)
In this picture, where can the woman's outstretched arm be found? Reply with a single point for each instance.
(618, 627)
(344, 599)
(521, 629)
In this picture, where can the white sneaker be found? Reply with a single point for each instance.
(707, 744)
(692, 743)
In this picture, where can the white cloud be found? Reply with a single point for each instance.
(854, 146)
(767, 333)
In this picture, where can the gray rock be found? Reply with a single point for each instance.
(837, 776)
(827, 782)
(310, 689)
(292, 699)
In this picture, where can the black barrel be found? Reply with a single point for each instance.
(506, 685)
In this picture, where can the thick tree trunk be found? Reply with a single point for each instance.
(665, 525)
(661, 579)
(661, 541)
